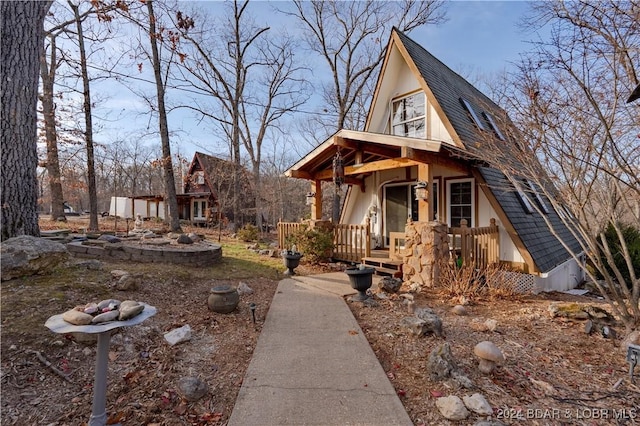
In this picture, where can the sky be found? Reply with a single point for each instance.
(480, 38)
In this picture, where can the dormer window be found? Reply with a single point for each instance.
(538, 195)
(472, 113)
(409, 116)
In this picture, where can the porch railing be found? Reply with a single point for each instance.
(477, 246)
(350, 242)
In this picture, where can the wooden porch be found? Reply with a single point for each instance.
(352, 243)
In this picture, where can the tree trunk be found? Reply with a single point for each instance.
(21, 35)
(88, 123)
(47, 75)
(167, 164)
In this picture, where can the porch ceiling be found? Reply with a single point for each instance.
(363, 153)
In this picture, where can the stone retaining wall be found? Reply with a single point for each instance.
(426, 243)
(193, 255)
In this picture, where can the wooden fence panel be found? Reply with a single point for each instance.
(477, 246)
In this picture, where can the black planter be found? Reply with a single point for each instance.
(291, 261)
(360, 280)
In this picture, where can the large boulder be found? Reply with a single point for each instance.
(27, 255)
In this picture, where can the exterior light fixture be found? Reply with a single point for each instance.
(422, 191)
(310, 197)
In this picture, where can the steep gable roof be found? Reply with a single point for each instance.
(449, 89)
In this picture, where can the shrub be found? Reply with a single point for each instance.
(248, 232)
(471, 283)
(631, 236)
(316, 244)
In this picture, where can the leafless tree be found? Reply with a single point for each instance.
(21, 34)
(253, 77)
(351, 38)
(568, 99)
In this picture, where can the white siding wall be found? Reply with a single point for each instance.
(562, 278)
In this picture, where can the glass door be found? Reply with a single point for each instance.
(399, 206)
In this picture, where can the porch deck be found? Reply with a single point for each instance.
(383, 263)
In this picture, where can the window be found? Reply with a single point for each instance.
(473, 114)
(538, 195)
(526, 203)
(200, 178)
(494, 126)
(461, 200)
(409, 116)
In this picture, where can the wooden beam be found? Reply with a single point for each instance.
(433, 159)
(374, 166)
(316, 207)
(425, 207)
(370, 148)
(299, 174)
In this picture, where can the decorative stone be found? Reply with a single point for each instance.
(90, 264)
(76, 317)
(452, 408)
(178, 335)
(107, 316)
(491, 324)
(90, 308)
(478, 404)
(243, 288)
(459, 310)
(441, 363)
(184, 239)
(415, 325)
(108, 302)
(118, 273)
(109, 238)
(194, 237)
(489, 355)
(192, 388)
(390, 284)
(433, 323)
(129, 310)
(26, 255)
(129, 282)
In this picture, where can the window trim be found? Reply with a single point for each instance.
(422, 117)
(534, 188)
(472, 113)
(448, 183)
(494, 126)
(527, 204)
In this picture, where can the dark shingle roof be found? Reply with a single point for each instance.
(448, 87)
(545, 249)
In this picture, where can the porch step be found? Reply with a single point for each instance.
(384, 266)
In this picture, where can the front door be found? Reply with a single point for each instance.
(399, 206)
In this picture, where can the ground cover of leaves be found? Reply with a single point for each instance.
(551, 365)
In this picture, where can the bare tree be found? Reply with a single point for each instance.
(568, 98)
(351, 38)
(254, 78)
(21, 34)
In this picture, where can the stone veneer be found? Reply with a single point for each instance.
(425, 244)
(194, 255)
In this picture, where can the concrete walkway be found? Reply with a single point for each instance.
(313, 365)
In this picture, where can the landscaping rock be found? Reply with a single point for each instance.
(184, 239)
(243, 288)
(77, 318)
(107, 316)
(129, 309)
(433, 323)
(390, 284)
(194, 237)
(478, 404)
(459, 310)
(129, 282)
(441, 363)
(26, 255)
(452, 408)
(192, 388)
(178, 335)
(109, 238)
(632, 338)
(415, 325)
(90, 264)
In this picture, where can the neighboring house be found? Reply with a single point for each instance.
(206, 198)
(423, 120)
(208, 190)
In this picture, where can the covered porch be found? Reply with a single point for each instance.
(390, 182)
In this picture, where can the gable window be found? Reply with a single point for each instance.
(409, 116)
(460, 201)
(199, 178)
(472, 113)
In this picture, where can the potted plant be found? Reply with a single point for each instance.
(291, 259)
(361, 278)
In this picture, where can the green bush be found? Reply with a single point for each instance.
(316, 244)
(631, 236)
(248, 233)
